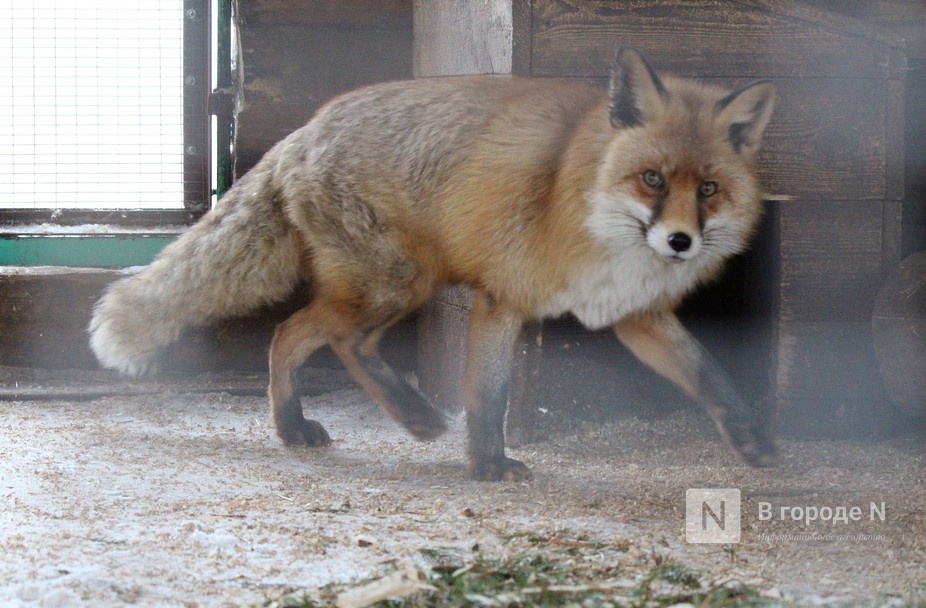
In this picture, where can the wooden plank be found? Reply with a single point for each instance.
(820, 418)
(831, 258)
(801, 10)
(914, 207)
(523, 423)
(289, 72)
(453, 38)
(827, 140)
(894, 136)
(898, 328)
(522, 37)
(828, 360)
(702, 37)
(891, 235)
(828, 382)
(904, 17)
(44, 313)
(377, 14)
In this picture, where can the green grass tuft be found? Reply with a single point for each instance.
(548, 575)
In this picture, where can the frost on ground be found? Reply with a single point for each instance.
(188, 499)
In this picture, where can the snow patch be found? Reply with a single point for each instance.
(88, 230)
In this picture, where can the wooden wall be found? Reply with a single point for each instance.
(298, 55)
(835, 149)
(906, 18)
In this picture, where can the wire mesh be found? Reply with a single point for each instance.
(91, 104)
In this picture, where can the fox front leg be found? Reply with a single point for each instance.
(493, 331)
(662, 343)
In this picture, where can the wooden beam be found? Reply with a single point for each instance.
(453, 38)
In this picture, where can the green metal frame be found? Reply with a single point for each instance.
(115, 251)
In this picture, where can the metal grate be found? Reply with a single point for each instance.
(91, 104)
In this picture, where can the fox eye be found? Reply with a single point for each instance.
(708, 189)
(654, 179)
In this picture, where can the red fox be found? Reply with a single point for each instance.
(545, 197)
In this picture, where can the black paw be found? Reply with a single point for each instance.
(404, 402)
(425, 422)
(499, 469)
(305, 433)
(760, 454)
(756, 446)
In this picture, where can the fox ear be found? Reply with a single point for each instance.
(745, 113)
(635, 90)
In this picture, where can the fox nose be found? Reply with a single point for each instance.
(679, 242)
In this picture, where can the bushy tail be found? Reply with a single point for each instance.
(241, 255)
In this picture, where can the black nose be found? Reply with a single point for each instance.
(679, 241)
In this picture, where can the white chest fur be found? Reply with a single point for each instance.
(621, 284)
(630, 276)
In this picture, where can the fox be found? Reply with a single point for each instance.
(545, 197)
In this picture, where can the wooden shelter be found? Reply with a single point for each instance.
(792, 317)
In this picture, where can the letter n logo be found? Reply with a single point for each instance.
(712, 515)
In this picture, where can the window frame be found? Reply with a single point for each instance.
(197, 146)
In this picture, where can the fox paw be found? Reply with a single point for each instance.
(426, 424)
(307, 433)
(500, 469)
(759, 453)
(755, 445)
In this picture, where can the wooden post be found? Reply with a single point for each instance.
(454, 38)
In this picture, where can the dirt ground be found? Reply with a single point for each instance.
(183, 497)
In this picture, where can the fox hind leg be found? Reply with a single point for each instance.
(393, 394)
(318, 324)
(293, 341)
(365, 279)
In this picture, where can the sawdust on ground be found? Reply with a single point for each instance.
(186, 498)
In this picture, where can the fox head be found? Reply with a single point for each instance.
(679, 173)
